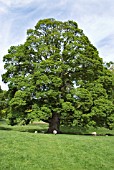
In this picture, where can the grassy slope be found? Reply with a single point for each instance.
(30, 151)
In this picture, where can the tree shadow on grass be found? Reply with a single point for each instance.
(64, 130)
(84, 131)
(31, 130)
(35, 130)
(5, 128)
(86, 134)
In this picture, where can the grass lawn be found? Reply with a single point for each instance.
(29, 151)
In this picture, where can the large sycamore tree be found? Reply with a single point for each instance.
(43, 74)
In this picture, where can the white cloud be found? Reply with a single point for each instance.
(15, 3)
(95, 17)
(2, 10)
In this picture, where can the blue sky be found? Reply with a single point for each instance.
(95, 17)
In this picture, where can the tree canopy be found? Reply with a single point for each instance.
(57, 76)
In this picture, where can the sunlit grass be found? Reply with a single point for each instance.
(30, 151)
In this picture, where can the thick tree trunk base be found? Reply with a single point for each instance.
(54, 124)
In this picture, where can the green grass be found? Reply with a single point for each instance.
(29, 151)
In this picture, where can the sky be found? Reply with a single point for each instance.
(94, 17)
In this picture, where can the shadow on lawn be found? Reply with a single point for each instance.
(88, 134)
(34, 130)
(42, 128)
(44, 131)
(24, 129)
(86, 131)
(5, 128)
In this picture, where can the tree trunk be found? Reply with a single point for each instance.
(54, 123)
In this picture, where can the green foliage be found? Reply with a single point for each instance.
(102, 109)
(3, 103)
(42, 74)
(103, 113)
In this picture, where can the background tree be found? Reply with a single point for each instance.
(3, 103)
(42, 74)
